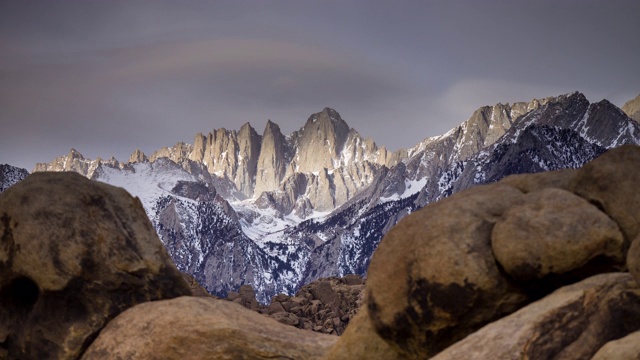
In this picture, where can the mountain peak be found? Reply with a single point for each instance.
(138, 156)
(246, 127)
(327, 115)
(75, 154)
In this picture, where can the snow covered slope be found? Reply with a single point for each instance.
(10, 175)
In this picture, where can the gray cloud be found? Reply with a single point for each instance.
(107, 77)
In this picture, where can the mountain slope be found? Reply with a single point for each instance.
(9, 175)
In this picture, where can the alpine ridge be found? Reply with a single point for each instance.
(277, 211)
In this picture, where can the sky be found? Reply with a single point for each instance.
(108, 77)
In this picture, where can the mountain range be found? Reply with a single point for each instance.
(277, 211)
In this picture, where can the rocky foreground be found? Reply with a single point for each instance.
(542, 266)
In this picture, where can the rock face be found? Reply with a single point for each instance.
(477, 256)
(272, 161)
(572, 323)
(75, 253)
(74, 161)
(138, 156)
(201, 328)
(553, 232)
(632, 108)
(229, 154)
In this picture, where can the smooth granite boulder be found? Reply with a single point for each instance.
(203, 328)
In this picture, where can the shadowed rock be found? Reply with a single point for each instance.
(434, 279)
(610, 182)
(570, 324)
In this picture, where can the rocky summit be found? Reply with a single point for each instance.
(535, 266)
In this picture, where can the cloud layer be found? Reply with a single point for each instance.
(107, 77)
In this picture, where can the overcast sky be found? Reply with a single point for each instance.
(107, 77)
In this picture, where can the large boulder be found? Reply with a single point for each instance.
(610, 182)
(626, 348)
(361, 341)
(203, 328)
(560, 179)
(434, 279)
(554, 232)
(571, 323)
(74, 253)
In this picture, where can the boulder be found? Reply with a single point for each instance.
(633, 259)
(560, 179)
(247, 298)
(571, 323)
(203, 328)
(626, 348)
(610, 182)
(555, 232)
(74, 253)
(361, 341)
(434, 279)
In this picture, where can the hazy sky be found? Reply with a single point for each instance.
(107, 77)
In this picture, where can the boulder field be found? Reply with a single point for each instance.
(535, 266)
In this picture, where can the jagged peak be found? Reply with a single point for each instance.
(246, 127)
(632, 108)
(271, 128)
(572, 96)
(75, 154)
(138, 156)
(326, 115)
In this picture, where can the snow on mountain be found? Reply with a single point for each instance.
(9, 175)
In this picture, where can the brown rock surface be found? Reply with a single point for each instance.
(361, 341)
(74, 253)
(632, 108)
(554, 232)
(626, 348)
(325, 305)
(202, 328)
(611, 183)
(433, 278)
(527, 183)
(633, 259)
(571, 323)
(196, 288)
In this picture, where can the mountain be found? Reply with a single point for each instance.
(10, 175)
(558, 133)
(278, 211)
